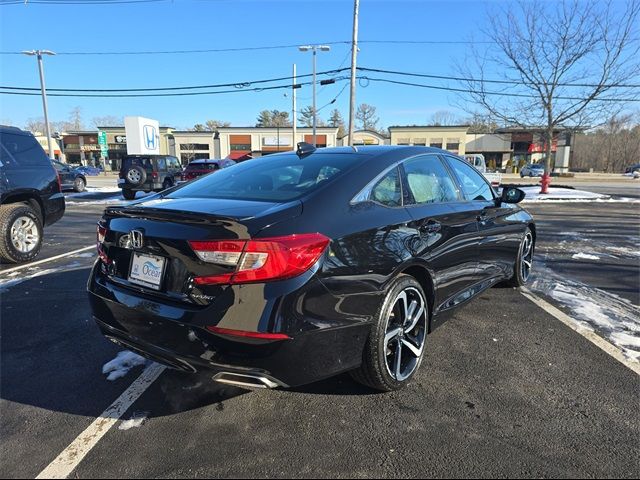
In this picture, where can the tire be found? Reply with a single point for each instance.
(379, 369)
(521, 175)
(20, 233)
(128, 194)
(524, 261)
(167, 184)
(79, 184)
(135, 175)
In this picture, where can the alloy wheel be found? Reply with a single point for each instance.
(405, 334)
(526, 256)
(25, 236)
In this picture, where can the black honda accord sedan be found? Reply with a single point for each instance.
(290, 268)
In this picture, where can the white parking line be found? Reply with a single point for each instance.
(45, 260)
(71, 456)
(590, 335)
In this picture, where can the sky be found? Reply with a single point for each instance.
(219, 24)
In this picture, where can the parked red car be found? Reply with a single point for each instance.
(197, 168)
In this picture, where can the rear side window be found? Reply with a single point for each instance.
(22, 150)
(429, 181)
(473, 184)
(275, 178)
(388, 191)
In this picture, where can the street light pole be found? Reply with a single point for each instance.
(314, 49)
(39, 54)
(354, 55)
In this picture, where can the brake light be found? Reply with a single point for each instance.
(244, 334)
(101, 234)
(59, 181)
(154, 175)
(261, 260)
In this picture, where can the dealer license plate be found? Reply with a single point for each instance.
(147, 270)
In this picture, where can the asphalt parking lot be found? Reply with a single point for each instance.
(505, 390)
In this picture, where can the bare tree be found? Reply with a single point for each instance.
(213, 125)
(107, 121)
(564, 64)
(75, 119)
(35, 125)
(444, 118)
(366, 115)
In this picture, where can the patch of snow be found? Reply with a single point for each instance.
(85, 255)
(559, 194)
(585, 256)
(612, 317)
(92, 191)
(136, 420)
(14, 278)
(120, 366)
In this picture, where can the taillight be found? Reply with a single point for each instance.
(100, 236)
(154, 175)
(261, 260)
(59, 182)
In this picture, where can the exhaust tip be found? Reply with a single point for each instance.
(247, 380)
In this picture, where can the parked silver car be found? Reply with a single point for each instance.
(532, 170)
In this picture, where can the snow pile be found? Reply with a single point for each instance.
(614, 318)
(92, 191)
(558, 193)
(585, 256)
(120, 366)
(136, 420)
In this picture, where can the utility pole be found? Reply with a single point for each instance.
(39, 54)
(314, 49)
(294, 112)
(354, 54)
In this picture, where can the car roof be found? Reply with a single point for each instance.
(206, 160)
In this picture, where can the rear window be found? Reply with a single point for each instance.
(22, 150)
(146, 163)
(278, 178)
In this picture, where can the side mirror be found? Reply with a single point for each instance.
(512, 195)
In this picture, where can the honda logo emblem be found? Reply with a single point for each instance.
(150, 137)
(137, 239)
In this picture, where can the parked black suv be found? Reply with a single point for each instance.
(30, 195)
(148, 173)
(70, 178)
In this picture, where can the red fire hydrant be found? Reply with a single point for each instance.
(545, 181)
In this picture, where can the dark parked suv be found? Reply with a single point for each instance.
(30, 195)
(148, 173)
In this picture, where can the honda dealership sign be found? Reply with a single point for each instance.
(143, 136)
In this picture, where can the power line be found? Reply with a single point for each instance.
(506, 82)
(140, 95)
(502, 94)
(239, 85)
(77, 2)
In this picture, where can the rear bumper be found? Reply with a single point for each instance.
(175, 336)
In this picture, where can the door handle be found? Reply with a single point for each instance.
(430, 227)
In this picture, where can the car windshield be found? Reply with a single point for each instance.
(277, 178)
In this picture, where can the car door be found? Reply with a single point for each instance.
(499, 231)
(62, 173)
(445, 229)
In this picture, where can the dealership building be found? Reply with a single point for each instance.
(229, 142)
(506, 147)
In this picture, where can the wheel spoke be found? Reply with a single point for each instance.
(404, 308)
(398, 368)
(415, 319)
(527, 263)
(391, 335)
(416, 351)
